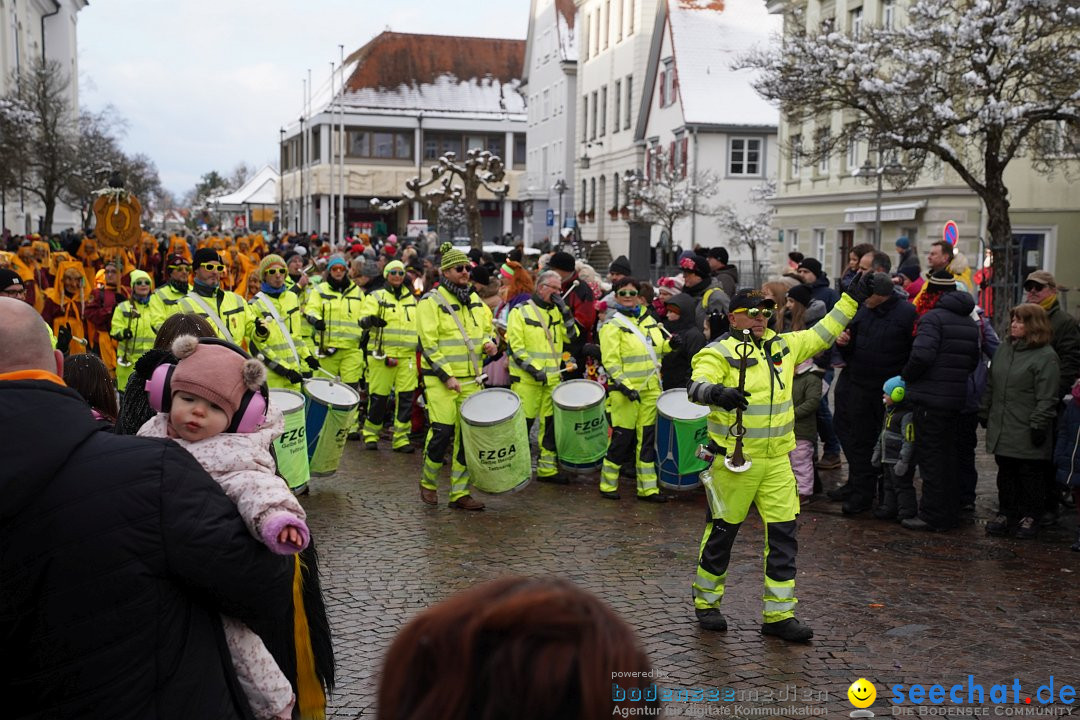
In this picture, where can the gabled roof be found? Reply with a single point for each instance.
(261, 189)
(406, 71)
(707, 37)
(565, 38)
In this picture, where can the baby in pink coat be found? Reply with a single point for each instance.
(209, 387)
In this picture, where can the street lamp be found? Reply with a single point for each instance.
(868, 172)
(560, 187)
(281, 180)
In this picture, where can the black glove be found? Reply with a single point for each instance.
(318, 323)
(560, 303)
(312, 362)
(372, 321)
(63, 338)
(983, 422)
(127, 334)
(261, 331)
(632, 395)
(306, 375)
(538, 375)
(1038, 436)
(728, 398)
(591, 350)
(292, 376)
(675, 341)
(861, 287)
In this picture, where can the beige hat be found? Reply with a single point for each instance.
(1042, 277)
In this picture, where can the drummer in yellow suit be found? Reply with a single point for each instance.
(226, 311)
(283, 350)
(454, 327)
(133, 327)
(536, 332)
(334, 309)
(631, 344)
(768, 419)
(390, 315)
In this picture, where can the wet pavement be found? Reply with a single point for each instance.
(885, 603)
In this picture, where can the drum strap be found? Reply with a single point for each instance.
(213, 316)
(269, 305)
(625, 322)
(541, 317)
(469, 344)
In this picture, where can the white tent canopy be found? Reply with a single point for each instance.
(261, 189)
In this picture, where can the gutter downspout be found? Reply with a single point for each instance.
(693, 213)
(43, 19)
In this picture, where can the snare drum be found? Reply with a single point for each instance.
(581, 428)
(331, 411)
(680, 427)
(291, 448)
(496, 441)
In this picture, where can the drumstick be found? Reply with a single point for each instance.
(330, 375)
(571, 288)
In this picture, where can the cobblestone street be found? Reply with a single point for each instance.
(888, 604)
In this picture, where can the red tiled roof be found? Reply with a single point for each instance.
(701, 4)
(392, 59)
(567, 10)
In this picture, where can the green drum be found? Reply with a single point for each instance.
(290, 449)
(680, 427)
(581, 428)
(331, 411)
(496, 441)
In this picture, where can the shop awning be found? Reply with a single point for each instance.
(890, 212)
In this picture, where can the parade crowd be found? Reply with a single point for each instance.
(187, 338)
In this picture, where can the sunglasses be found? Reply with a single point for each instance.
(185, 268)
(1032, 286)
(13, 293)
(395, 272)
(275, 271)
(627, 293)
(461, 269)
(754, 313)
(141, 282)
(213, 267)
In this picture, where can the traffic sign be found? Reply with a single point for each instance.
(950, 234)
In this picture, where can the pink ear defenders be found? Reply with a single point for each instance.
(251, 412)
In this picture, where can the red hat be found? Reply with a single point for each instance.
(390, 250)
(357, 248)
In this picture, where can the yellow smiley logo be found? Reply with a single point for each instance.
(862, 693)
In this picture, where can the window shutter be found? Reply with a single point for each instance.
(685, 155)
(663, 85)
(671, 158)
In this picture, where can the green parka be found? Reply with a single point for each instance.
(1020, 397)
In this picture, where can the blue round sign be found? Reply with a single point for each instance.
(950, 234)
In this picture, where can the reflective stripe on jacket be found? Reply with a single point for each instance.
(443, 351)
(770, 418)
(528, 342)
(398, 338)
(626, 359)
(340, 311)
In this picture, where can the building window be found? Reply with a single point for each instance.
(316, 145)
(596, 35)
(592, 130)
(796, 156)
(855, 23)
(629, 94)
(584, 117)
(667, 83)
(888, 13)
(822, 151)
(592, 194)
(852, 154)
(819, 243)
(520, 149)
(584, 194)
(619, 21)
(615, 191)
(630, 18)
(744, 157)
(438, 143)
(616, 111)
(607, 22)
(585, 38)
(603, 111)
(382, 144)
(547, 104)
(793, 240)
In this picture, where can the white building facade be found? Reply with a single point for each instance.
(407, 100)
(613, 52)
(549, 82)
(705, 115)
(29, 30)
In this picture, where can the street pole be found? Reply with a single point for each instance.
(877, 212)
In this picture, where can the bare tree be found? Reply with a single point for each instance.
(480, 169)
(667, 194)
(47, 134)
(973, 84)
(753, 232)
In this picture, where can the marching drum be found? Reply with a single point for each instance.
(581, 428)
(331, 411)
(291, 448)
(680, 427)
(496, 441)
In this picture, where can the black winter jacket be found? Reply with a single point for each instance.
(820, 290)
(675, 365)
(945, 351)
(118, 557)
(880, 342)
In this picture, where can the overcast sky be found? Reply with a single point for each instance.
(206, 84)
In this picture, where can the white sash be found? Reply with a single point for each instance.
(647, 342)
(269, 305)
(218, 322)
